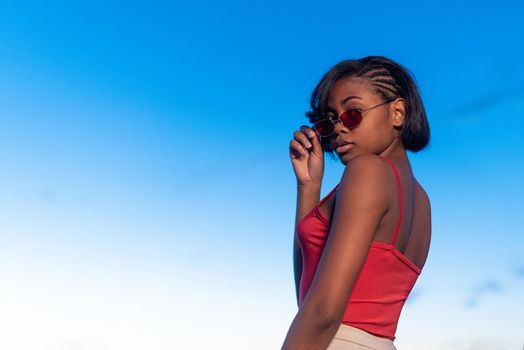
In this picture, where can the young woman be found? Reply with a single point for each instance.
(359, 251)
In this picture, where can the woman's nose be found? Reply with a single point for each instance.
(339, 127)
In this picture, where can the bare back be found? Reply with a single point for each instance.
(414, 235)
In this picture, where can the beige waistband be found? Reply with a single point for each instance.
(347, 337)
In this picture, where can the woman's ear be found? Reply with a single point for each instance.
(398, 108)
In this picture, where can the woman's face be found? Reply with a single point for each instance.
(375, 133)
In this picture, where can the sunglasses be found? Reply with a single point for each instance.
(350, 118)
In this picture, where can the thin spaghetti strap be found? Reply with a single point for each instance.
(400, 200)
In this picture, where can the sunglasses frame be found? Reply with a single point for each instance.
(337, 119)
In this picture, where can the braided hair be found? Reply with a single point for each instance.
(387, 78)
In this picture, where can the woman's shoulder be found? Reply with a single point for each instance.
(365, 159)
(366, 173)
(368, 164)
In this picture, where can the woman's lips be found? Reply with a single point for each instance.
(343, 148)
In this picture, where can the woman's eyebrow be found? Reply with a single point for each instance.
(346, 99)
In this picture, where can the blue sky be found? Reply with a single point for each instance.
(148, 197)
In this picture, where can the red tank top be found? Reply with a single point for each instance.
(383, 285)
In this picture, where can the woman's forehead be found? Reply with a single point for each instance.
(355, 87)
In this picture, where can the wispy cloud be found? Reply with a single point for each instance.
(477, 343)
(519, 271)
(488, 343)
(487, 287)
(414, 295)
(488, 100)
(48, 196)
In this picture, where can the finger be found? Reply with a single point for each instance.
(312, 136)
(303, 139)
(296, 146)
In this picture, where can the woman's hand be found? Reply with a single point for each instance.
(307, 156)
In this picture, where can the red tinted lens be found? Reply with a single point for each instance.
(351, 118)
(324, 127)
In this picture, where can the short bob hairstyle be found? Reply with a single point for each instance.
(388, 79)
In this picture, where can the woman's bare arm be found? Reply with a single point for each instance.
(308, 197)
(362, 201)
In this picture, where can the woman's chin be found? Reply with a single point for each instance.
(345, 157)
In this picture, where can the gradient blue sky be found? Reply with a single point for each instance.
(148, 197)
